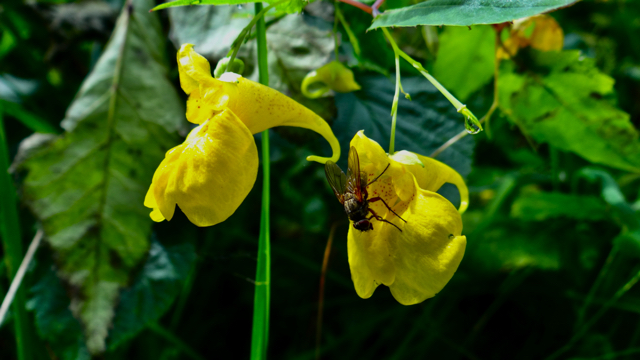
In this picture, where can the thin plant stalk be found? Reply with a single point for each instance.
(17, 280)
(460, 107)
(260, 331)
(323, 275)
(485, 119)
(394, 108)
(259, 16)
(596, 284)
(12, 246)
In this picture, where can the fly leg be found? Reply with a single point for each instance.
(385, 204)
(377, 177)
(379, 218)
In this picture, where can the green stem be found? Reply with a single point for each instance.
(259, 17)
(601, 276)
(352, 37)
(394, 108)
(260, 331)
(11, 242)
(460, 107)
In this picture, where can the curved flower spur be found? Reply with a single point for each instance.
(211, 173)
(418, 261)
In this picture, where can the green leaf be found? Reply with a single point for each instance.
(542, 205)
(153, 291)
(466, 12)
(290, 7)
(611, 194)
(198, 2)
(564, 104)
(54, 321)
(507, 246)
(87, 186)
(465, 60)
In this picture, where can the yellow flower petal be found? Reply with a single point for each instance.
(334, 76)
(258, 106)
(431, 175)
(209, 175)
(370, 258)
(193, 68)
(541, 32)
(428, 251)
(434, 174)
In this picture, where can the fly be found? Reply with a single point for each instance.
(351, 191)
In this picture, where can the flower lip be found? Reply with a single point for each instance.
(195, 175)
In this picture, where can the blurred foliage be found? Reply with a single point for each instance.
(553, 228)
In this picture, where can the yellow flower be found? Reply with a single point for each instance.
(210, 174)
(333, 76)
(541, 32)
(417, 262)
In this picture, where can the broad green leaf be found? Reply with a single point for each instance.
(466, 12)
(564, 104)
(87, 186)
(611, 194)
(53, 318)
(423, 124)
(290, 7)
(465, 60)
(629, 239)
(152, 292)
(510, 246)
(542, 205)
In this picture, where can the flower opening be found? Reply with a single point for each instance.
(417, 262)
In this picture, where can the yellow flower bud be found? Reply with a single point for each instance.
(333, 76)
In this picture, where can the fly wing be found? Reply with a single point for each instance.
(336, 178)
(354, 178)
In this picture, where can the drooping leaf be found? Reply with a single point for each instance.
(542, 205)
(152, 292)
(564, 103)
(465, 60)
(87, 186)
(466, 12)
(423, 124)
